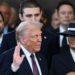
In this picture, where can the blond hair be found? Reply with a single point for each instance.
(23, 28)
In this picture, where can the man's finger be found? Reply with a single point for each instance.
(17, 49)
(22, 57)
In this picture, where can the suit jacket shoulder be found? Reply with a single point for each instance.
(9, 41)
(7, 59)
(5, 62)
(62, 63)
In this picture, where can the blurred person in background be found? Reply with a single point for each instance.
(50, 44)
(55, 22)
(66, 13)
(13, 20)
(6, 11)
(64, 63)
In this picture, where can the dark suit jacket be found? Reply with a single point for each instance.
(50, 43)
(6, 60)
(8, 42)
(62, 63)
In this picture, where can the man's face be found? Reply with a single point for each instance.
(55, 20)
(1, 24)
(66, 14)
(33, 42)
(6, 12)
(31, 14)
(72, 41)
(13, 17)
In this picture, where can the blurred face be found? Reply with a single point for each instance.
(13, 17)
(55, 20)
(72, 41)
(33, 41)
(31, 14)
(1, 24)
(6, 12)
(66, 14)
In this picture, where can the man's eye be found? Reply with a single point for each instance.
(37, 14)
(63, 13)
(28, 15)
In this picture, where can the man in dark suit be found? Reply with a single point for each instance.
(50, 39)
(64, 63)
(24, 59)
(29, 11)
(66, 14)
(9, 41)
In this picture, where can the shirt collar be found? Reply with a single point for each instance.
(62, 29)
(1, 38)
(72, 53)
(1, 35)
(26, 52)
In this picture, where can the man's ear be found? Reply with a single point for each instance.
(20, 17)
(23, 40)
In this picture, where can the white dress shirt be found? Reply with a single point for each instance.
(73, 54)
(1, 38)
(5, 30)
(27, 55)
(61, 29)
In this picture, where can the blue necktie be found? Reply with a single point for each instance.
(35, 69)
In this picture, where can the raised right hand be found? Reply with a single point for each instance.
(17, 59)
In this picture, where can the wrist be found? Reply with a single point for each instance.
(14, 67)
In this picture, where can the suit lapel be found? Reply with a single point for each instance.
(70, 60)
(67, 58)
(25, 67)
(41, 63)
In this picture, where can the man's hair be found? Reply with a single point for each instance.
(2, 16)
(23, 28)
(27, 4)
(65, 2)
(4, 3)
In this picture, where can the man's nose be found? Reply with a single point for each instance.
(33, 18)
(40, 38)
(67, 15)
